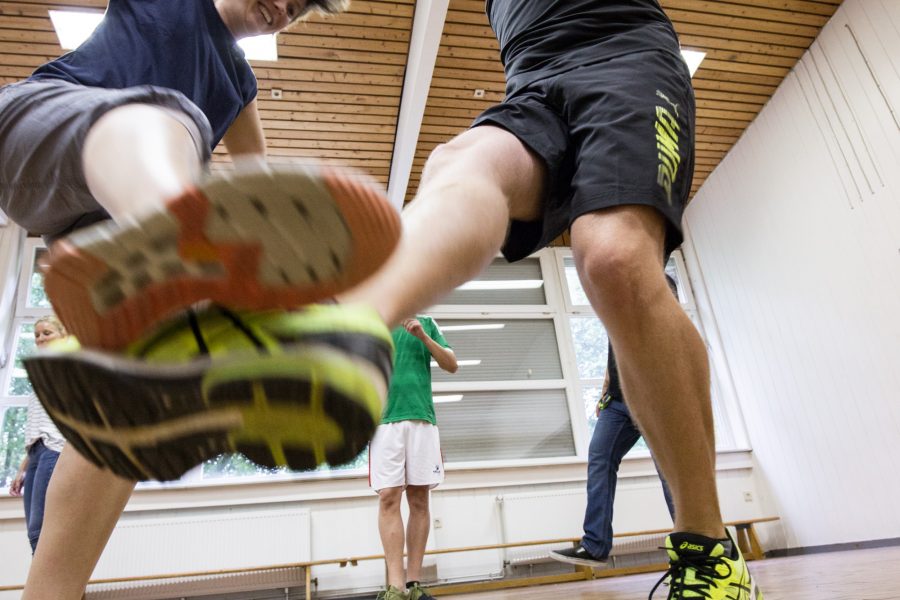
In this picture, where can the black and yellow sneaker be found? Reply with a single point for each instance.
(285, 388)
(702, 567)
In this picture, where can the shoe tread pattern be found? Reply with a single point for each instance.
(275, 239)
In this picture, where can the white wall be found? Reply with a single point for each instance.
(342, 514)
(796, 236)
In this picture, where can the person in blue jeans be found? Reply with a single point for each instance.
(43, 443)
(615, 434)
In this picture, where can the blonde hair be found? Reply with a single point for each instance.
(52, 322)
(325, 7)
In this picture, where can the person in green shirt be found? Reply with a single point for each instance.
(406, 453)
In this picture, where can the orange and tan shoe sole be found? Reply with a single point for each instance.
(277, 238)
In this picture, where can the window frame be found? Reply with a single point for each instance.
(22, 314)
(730, 431)
(558, 308)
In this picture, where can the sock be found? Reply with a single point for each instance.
(411, 584)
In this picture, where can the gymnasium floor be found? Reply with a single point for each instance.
(850, 575)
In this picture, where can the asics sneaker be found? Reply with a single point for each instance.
(275, 237)
(285, 388)
(702, 567)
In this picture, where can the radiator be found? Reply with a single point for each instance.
(529, 516)
(208, 540)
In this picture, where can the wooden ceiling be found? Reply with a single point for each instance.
(352, 88)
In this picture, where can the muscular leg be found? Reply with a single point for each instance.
(470, 189)
(137, 156)
(390, 527)
(662, 360)
(416, 530)
(83, 505)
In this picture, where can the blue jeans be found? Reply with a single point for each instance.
(614, 435)
(41, 462)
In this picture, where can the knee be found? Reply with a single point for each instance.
(608, 272)
(444, 154)
(130, 120)
(389, 499)
(417, 498)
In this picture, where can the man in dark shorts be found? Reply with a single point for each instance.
(596, 134)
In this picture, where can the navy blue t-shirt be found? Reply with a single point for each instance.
(543, 37)
(181, 45)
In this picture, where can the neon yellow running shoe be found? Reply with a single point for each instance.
(285, 388)
(701, 567)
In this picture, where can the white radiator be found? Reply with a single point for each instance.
(530, 516)
(206, 540)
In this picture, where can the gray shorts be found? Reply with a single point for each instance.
(43, 125)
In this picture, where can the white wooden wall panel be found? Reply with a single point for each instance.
(797, 235)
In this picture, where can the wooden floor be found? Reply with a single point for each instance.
(852, 575)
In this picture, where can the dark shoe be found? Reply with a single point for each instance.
(417, 592)
(392, 593)
(285, 388)
(577, 556)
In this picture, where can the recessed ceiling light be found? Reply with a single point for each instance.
(693, 58)
(74, 27)
(260, 47)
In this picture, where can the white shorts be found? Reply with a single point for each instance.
(405, 453)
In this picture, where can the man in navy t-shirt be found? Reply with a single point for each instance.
(101, 151)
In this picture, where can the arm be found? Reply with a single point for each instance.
(445, 357)
(15, 488)
(245, 139)
(603, 391)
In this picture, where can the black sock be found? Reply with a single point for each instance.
(410, 584)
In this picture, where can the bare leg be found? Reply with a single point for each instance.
(390, 526)
(470, 189)
(416, 530)
(83, 505)
(137, 156)
(662, 359)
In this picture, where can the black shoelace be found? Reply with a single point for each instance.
(705, 572)
(193, 321)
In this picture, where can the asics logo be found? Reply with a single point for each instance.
(690, 546)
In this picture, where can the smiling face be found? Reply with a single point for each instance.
(47, 331)
(247, 18)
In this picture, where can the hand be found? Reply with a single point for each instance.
(15, 488)
(415, 328)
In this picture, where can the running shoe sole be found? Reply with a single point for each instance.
(309, 405)
(277, 238)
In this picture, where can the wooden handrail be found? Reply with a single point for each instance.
(355, 559)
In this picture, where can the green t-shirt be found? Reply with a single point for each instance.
(409, 397)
